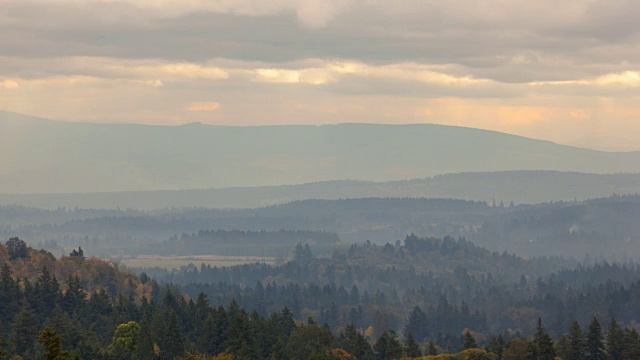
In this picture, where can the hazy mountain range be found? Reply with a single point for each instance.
(528, 187)
(42, 156)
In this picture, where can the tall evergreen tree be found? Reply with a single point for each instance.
(144, 351)
(51, 341)
(74, 297)
(469, 340)
(631, 345)
(432, 349)
(24, 330)
(388, 347)
(416, 324)
(496, 346)
(562, 347)
(47, 292)
(541, 348)
(595, 341)
(9, 296)
(576, 342)
(411, 347)
(286, 322)
(355, 344)
(173, 342)
(239, 332)
(615, 341)
(310, 340)
(207, 342)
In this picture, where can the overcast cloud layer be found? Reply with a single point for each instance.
(567, 71)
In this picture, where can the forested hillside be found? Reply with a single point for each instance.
(605, 227)
(103, 312)
(454, 283)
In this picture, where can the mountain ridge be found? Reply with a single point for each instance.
(5, 115)
(541, 186)
(41, 156)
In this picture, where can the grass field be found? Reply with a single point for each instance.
(175, 262)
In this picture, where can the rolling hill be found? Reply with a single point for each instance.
(42, 156)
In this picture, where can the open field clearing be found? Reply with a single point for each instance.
(175, 262)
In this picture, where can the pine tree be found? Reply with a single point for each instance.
(355, 344)
(9, 295)
(74, 297)
(469, 341)
(411, 347)
(416, 324)
(595, 343)
(388, 347)
(206, 341)
(71, 333)
(431, 350)
(615, 341)
(144, 350)
(562, 347)
(173, 343)
(24, 330)
(238, 331)
(496, 346)
(631, 345)
(576, 342)
(51, 341)
(541, 348)
(47, 291)
(286, 322)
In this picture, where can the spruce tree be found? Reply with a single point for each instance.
(47, 292)
(432, 349)
(9, 295)
(207, 342)
(469, 340)
(595, 343)
(51, 341)
(496, 346)
(542, 344)
(562, 347)
(411, 347)
(388, 347)
(144, 351)
(74, 297)
(615, 341)
(355, 344)
(631, 345)
(24, 330)
(576, 342)
(416, 324)
(173, 343)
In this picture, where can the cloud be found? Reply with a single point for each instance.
(519, 66)
(311, 14)
(203, 106)
(9, 84)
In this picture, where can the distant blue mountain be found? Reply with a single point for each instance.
(42, 156)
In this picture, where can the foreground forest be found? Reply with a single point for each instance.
(77, 307)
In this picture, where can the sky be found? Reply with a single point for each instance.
(561, 70)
